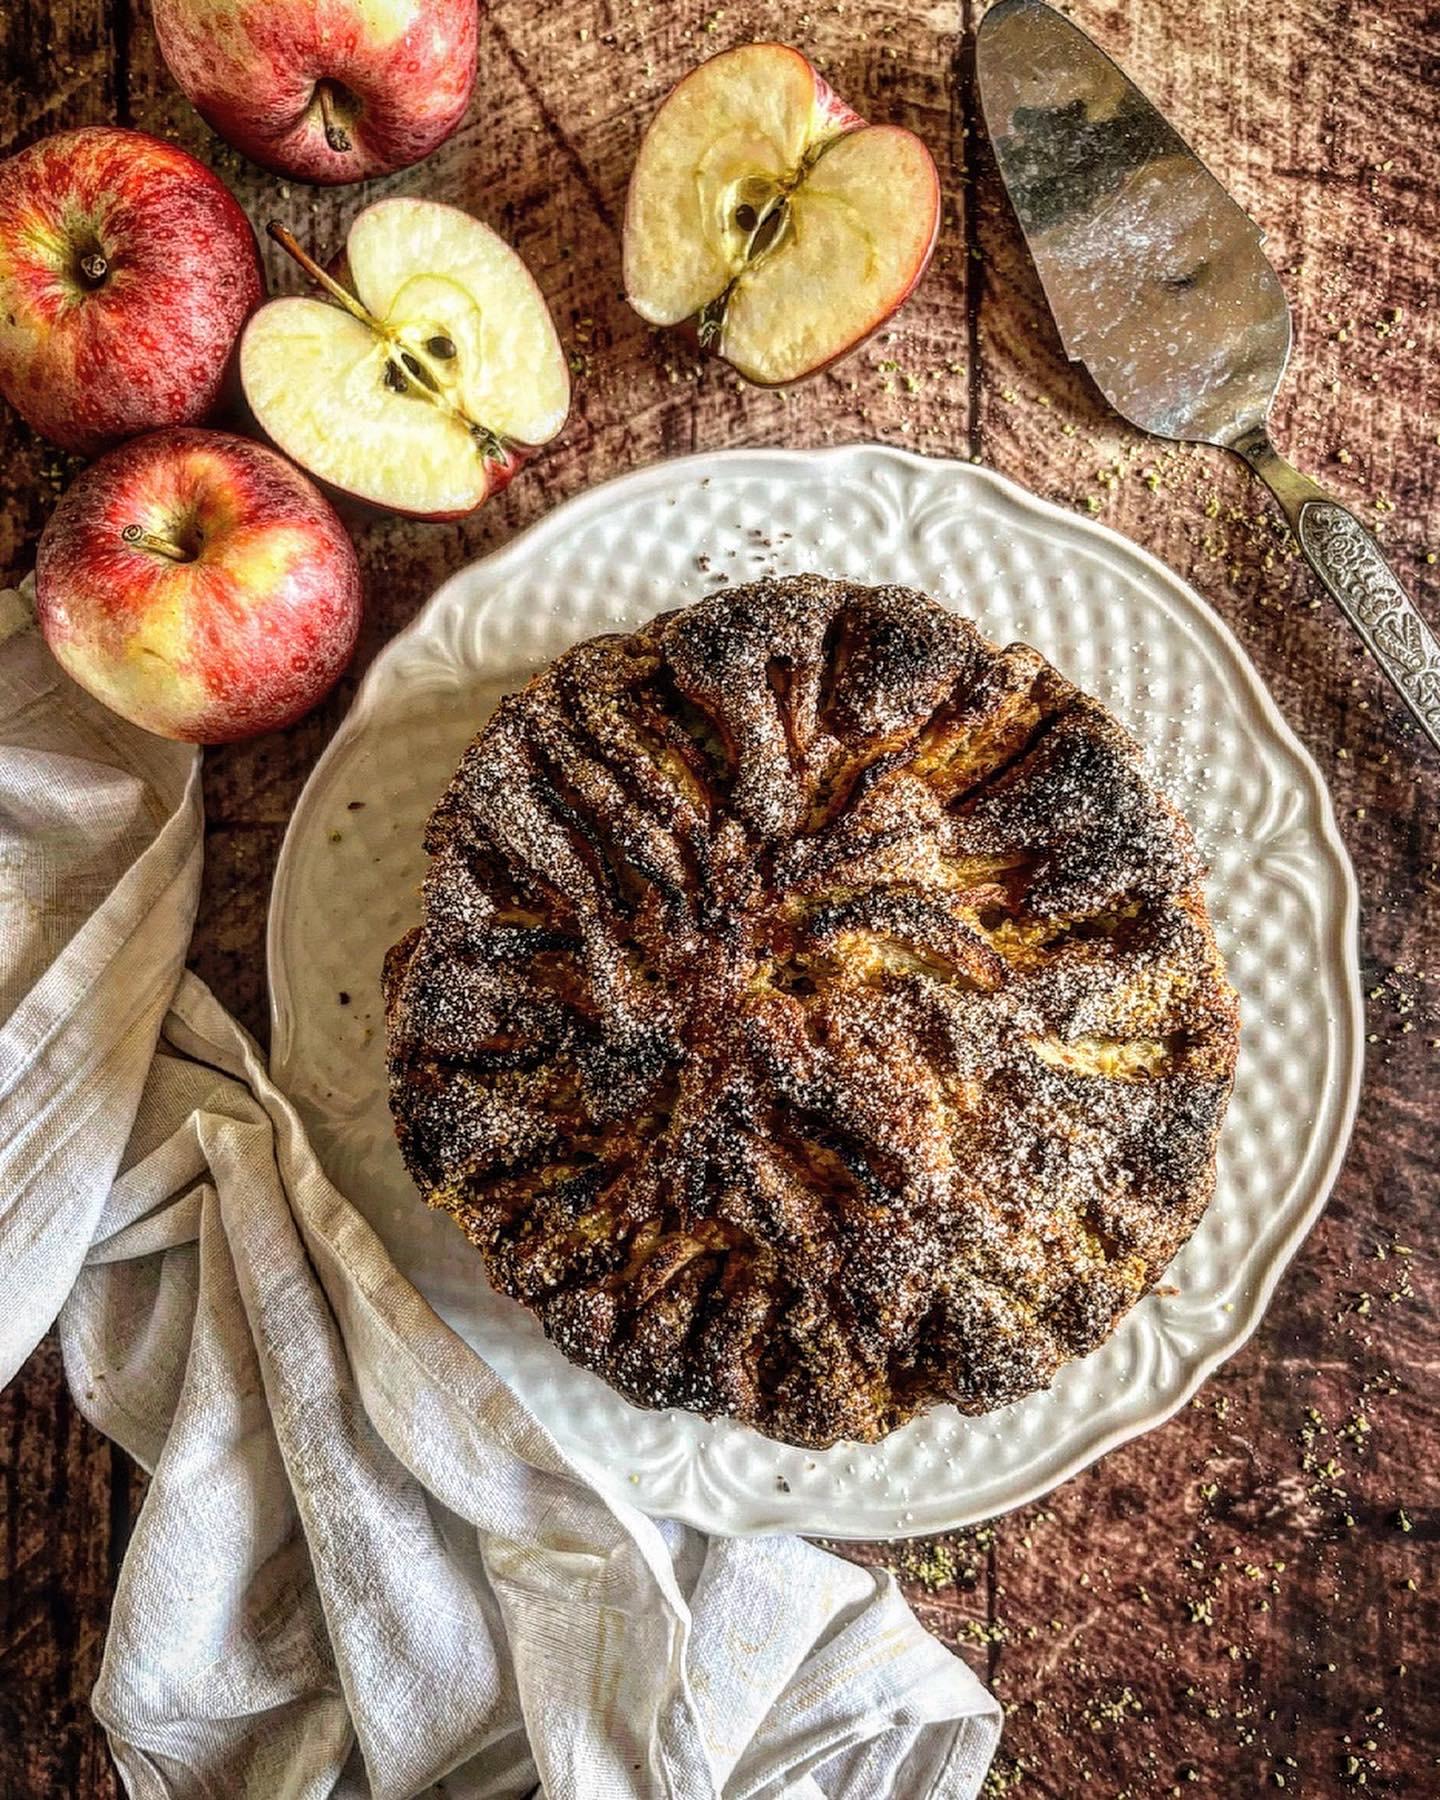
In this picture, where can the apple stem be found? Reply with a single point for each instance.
(336, 136)
(291, 245)
(147, 540)
(94, 268)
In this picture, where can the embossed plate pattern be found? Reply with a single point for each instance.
(1115, 620)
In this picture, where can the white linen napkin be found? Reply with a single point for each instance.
(362, 1565)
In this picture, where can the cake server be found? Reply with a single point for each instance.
(1160, 287)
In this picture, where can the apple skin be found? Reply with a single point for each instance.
(247, 634)
(399, 72)
(150, 343)
(838, 114)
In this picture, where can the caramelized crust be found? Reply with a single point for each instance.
(815, 1015)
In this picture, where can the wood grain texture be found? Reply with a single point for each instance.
(1245, 1600)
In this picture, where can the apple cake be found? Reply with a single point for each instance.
(815, 1015)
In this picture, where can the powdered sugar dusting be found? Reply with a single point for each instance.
(815, 1015)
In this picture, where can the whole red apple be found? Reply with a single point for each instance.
(199, 585)
(324, 90)
(126, 272)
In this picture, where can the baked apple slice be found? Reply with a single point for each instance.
(427, 376)
(765, 209)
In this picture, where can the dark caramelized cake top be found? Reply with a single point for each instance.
(815, 1015)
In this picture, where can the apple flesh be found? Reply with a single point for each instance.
(199, 586)
(423, 384)
(324, 90)
(126, 272)
(766, 210)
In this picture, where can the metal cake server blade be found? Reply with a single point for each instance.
(1160, 286)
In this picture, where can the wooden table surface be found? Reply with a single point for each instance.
(1248, 1598)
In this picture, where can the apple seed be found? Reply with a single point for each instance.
(768, 230)
(441, 347)
(766, 224)
(419, 371)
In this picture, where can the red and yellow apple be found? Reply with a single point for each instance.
(423, 384)
(199, 586)
(126, 272)
(324, 90)
(766, 211)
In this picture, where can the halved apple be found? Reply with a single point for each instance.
(766, 210)
(428, 376)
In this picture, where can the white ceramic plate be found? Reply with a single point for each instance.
(1115, 620)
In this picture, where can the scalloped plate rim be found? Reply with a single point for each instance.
(1342, 946)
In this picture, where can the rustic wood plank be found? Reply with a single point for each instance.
(67, 1497)
(58, 69)
(68, 1503)
(1106, 1617)
(1231, 1592)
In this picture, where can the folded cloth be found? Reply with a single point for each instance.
(362, 1566)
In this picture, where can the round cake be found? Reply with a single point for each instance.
(815, 1015)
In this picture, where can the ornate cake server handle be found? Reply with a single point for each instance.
(1346, 557)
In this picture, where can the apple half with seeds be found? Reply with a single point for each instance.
(430, 372)
(766, 210)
